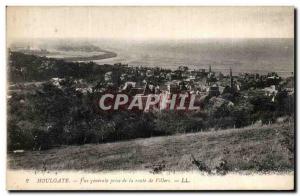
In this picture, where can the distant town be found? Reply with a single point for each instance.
(204, 82)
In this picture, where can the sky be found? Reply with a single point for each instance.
(149, 22)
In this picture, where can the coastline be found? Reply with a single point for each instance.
(107, 55)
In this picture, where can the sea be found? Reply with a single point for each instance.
(253, 55)
(242, 55)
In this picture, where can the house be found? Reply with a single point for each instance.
(149, 73)
(270, 91)
(173, 88)
(129, 85)
(56, 81)
(213, 90)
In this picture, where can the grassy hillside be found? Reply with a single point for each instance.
(268, 148)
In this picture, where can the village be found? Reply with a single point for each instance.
(202, 83)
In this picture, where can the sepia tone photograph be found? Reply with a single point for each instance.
(150, 98)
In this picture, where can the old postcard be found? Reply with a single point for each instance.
(150, 98)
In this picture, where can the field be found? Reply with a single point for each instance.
(263, 149)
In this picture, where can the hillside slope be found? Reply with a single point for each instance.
(268, 148)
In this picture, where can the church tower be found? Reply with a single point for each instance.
(231, 79)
